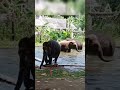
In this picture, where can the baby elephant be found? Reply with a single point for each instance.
(51, 49)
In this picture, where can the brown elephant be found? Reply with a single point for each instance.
(79, 45)
(67, 45)
(100, 44)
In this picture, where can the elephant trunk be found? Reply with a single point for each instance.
(77, 48)
(100, 54)
(44, 59)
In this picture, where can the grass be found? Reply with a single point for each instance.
(58, 73)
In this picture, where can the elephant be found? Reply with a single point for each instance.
(67, 45)
(97, 43)
(27, 62)
(79, 45)
(51, 49)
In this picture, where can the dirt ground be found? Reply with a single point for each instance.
(60, 84)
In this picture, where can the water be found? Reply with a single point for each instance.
(73, 58)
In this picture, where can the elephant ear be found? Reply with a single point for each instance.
(71, 44)
(45, 45)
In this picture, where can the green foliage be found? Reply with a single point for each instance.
(23, 20)
(47, 33)
(78, 21)
(51, 34)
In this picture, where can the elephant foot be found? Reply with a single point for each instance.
(47, 64)
(55, 64)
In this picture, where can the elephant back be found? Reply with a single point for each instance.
(55, 47)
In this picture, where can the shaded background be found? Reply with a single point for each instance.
(16, 22)
(103, 15)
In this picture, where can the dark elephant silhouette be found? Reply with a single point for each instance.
(27, 63)
(51, 49)
(98, 43)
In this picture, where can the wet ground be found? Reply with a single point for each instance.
(73, 58)
(100, 75)
(103, 75)
(9, 66)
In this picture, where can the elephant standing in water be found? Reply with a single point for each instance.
(100, 44)
(67, 45)
(27, 63)
(51, 49)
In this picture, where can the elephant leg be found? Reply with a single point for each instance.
(32, 68)
(46, 61)
(21, 71)
(27, 77)
(50, 60)
(69, 49)
(20, 79)
(56, 60)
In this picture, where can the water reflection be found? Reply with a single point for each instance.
(73, 58)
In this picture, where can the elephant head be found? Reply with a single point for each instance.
(73, 45)
(93, 46)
